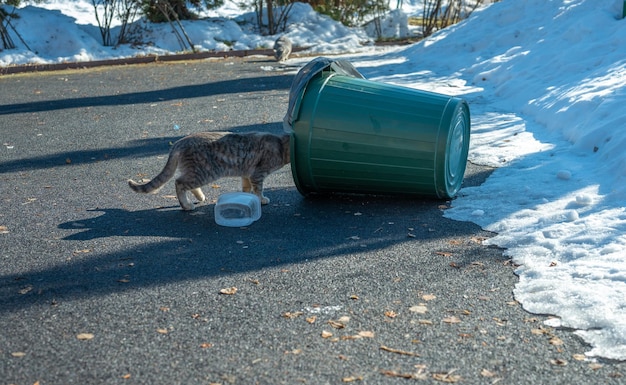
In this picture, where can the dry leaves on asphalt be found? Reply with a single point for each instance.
(409, 376)
(558, 362)
(398, 351)
(391, 314)
(447, 377)
(85, 336)
(326, 334)
(419, 309)
(291, 315)
(228, 291)
(452, 320)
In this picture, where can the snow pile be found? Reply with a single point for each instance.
(546, 83)
(55, 36)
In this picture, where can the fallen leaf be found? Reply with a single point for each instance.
(294, 351)
(25, 289)
(4, 230)
(444, 253)
(428, 297)
(126, 376)
(500, 322)
(595, 366)
(164, 309)
(393, 373)
(344, 319)
(354, 297)
(487, 373)
(336, 324)
(292, 315)
(446, 377)
(352, 379)
(391, 314)
(478, 240)
(425, 322)
(18, 354)
(206, 345)
(451, 320)
(398, 351)
(579, 357)
(326, 334)
(419, 309)
(85, 336)
(366, 334)
(311, 319)
(556, 341)
(558, 362)
(229, 291)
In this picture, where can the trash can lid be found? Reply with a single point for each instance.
(306, 73)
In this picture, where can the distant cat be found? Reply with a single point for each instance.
(205, 157)
(282, 48)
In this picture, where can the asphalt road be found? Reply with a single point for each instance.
(99, 285)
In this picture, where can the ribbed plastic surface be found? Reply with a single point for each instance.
(360, 136)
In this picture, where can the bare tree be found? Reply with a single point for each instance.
(126, 12)
(439, 14)
(277, 14)
(5, 25)
(104, 10)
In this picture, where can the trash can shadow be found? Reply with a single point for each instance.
(350, 134)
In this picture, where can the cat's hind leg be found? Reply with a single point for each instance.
(246, 185)
(183, 198)
(197, 192)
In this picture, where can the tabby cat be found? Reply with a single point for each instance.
(205, 157)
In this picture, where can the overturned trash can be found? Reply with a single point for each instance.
(349, 134)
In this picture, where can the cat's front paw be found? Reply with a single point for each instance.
(188, 207)
(265, 200)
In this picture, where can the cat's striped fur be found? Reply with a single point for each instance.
(204, 157)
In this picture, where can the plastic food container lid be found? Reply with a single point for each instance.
(237, 209)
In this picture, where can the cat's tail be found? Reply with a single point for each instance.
(158, 181)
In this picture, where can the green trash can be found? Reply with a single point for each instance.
(353, 135)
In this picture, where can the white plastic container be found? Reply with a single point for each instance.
(237, 209)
